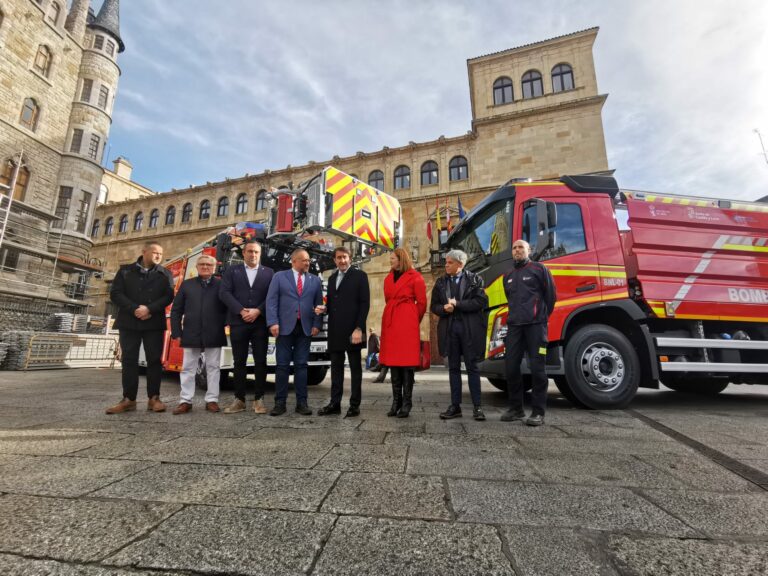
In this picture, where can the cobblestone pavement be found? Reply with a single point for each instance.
(675, 485)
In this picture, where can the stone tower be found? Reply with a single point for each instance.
(90, 119)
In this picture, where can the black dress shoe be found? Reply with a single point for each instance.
(329, 409)
(478, 414)
(278, 410)
(352, 412)
(512, 415)
(452, 412)
(304, 410)
(535, 420)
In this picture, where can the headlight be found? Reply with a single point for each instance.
(498, 334)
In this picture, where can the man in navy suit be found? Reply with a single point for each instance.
(244, 290)
(291, 301)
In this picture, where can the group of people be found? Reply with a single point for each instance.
(256, 302)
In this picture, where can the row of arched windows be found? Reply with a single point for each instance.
(458, 169)
(204, 213)
(532, 84)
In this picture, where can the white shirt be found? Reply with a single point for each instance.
(251, 273)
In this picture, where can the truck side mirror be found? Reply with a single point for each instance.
(546, 220)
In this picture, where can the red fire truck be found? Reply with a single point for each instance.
(651, 287)
(330, 209)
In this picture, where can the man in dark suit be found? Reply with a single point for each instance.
(197, 317)
(142, 290)
(349, 300)
(244, 290)
(291, 301)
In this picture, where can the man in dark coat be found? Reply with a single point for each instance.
(197, 317)
(349, 299)
(459, 300)
(531, 297)
(141, 291)
(244, 290)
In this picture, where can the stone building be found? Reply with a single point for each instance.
(58, 80)
(536, 112)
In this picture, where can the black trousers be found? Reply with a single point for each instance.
(249, 338)
(458, 347)
(337, 376)
(130, 344)
(531, 338)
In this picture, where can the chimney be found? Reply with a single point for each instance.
(76, 19)
(123, 167)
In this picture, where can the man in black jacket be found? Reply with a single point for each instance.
(142, 290)
(244, 290)
(349, 300)
(531, 297)
(197, 317)
(459, 300)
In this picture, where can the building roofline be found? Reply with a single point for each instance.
(586, 32)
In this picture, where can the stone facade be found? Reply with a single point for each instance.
(539, 137)
(58, 80)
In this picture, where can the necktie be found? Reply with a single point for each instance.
(299, 289)
(456, 286)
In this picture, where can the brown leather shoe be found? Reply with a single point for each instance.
(212, 407)
(236, 406)
(155, 405)
(124, 405)
(258, 407)
(183, 408)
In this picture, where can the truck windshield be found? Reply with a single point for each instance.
(486, 235)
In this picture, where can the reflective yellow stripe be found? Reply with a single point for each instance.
(542, 350)
(745, 247)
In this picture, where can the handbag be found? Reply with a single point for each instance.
(425, 356)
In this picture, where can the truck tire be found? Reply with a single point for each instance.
(316, 374)
(562, 385)
(601, 367)
(500, 383)
(700, 385)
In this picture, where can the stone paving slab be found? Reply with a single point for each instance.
(125, 445)
(560, 506)
(51, 442)
(698, 472)
(235, 451)
(18, 566)
(372, 547)
(602, 470)
(462, 463)
(556, 552)
(600, 446)
(61, 476)
(231, 541)
(324, 435)
(80, 530)
(717, 514)
(672, 557)
(237, 486)
(643, 434)
(761, 465)
(391, 495)
(411, 424)
(439, 441)
(364, 458)
(512, 429)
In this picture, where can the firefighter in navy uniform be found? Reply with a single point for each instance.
(531, 296)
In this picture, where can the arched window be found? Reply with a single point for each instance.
(22, 179)
(562, 78)
(154, 216)
(54, 11)
(458, 168)
(95, 228)
(108, 225)
(429, 174)
(205, 210)
(241, 206)
(123, 223)
(502, 91)
(533, 85)
(376, 179)
(261, 200)
(43, 60)
(186, 212)
(170, 216)
(138, 221)
(30, 112)
(222, 209)
(402, 177)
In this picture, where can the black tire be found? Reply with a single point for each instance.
(601, 367)
(316, 374)
(699, 385)
(500, 383)
(562, 385)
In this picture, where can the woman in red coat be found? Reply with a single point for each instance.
(406, 302)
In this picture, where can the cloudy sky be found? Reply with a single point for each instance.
(214, 89)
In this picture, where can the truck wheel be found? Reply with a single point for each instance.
(562, 385)
(701, 385)
(316, 374)
(500, 383)
(602, 367)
